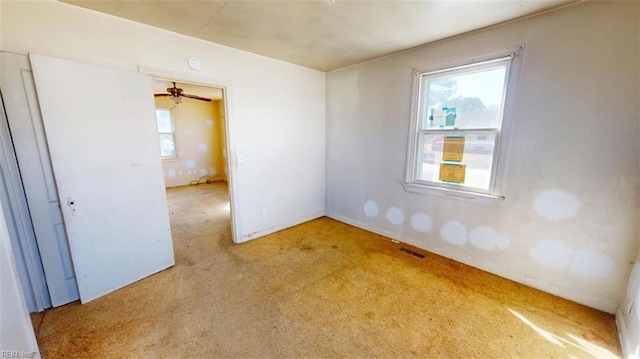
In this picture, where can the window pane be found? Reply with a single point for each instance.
(467, 159)
(163, 118)
(464, 100)
(167, 145)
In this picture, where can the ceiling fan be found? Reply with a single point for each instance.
(176, 95)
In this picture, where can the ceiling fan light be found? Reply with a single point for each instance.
(176, 99)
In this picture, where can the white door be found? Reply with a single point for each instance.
(103, 142)
(30, 145)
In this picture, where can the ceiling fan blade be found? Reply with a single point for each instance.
(161, 94)
(196, 97)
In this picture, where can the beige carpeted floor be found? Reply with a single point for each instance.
(322, 289)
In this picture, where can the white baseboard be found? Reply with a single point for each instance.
(264, 232)
(502, 272)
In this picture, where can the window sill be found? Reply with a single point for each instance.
(451, 193)
(171, 159)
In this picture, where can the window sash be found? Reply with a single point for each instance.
(419, 110)
(173, 142)
(167, 133)
(425, 77)
(460, 187)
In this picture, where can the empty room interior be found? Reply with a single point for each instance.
(323, 178)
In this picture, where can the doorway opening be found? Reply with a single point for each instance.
(192, 134)
(220, 91)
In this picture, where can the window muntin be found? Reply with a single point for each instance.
(461, 105)
(164, 121)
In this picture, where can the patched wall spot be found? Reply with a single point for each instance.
(370, 208)
(395, 215)
(203, 148)
(422, 223)
(556, 204)
(190, 164)
(591, 264)
(552, 254)
(503, 242)
(487, 239)
(454, 232)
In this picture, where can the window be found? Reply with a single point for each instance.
(164, 121)
(457, 128)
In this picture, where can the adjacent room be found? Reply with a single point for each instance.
(325, 178)
(192, 136)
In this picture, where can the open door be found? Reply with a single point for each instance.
(102, 138)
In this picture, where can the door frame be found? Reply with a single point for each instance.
(25, 247)
(227, 96)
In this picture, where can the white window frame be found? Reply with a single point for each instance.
(172, 133)
(502, 130)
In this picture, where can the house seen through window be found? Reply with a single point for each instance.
(459, 115)
(164, 120)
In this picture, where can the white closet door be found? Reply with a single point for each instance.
(30, 144)
(103, 142)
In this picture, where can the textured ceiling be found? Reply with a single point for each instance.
(321, 34)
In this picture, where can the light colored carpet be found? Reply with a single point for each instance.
(322, 289)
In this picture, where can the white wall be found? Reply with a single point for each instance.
(628, 316)
(16, 331)
(575, 130)
(277, 111)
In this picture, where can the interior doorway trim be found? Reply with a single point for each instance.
(227, 96)
(19, 224)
